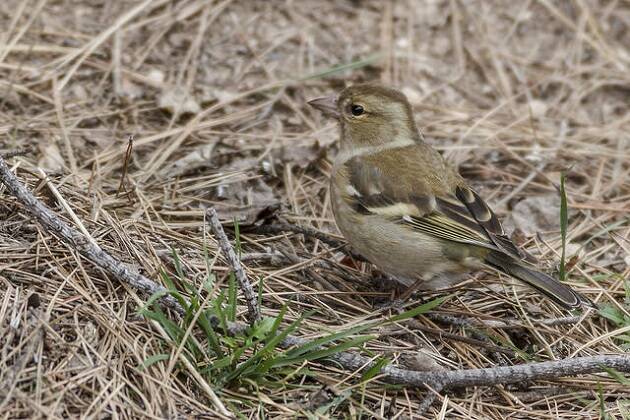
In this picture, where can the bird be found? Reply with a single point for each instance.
(408, 211)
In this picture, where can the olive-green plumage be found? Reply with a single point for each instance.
(405, 209)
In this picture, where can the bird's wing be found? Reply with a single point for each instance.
(443, 207)
(468, 204)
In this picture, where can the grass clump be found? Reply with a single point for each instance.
(231, 355)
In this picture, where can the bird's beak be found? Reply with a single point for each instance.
(327, 105)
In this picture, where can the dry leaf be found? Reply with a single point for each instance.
(51, 160)
(89, 335)
(245, 201)
(301, 156)
(320, 397)
(198, 158)
(211, 93)
(178, 101)
(419, 361)
(305, 153)
(537, 214)
(129, 89)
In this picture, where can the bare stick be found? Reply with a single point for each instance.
(416, 325)
(428, 400)
(501, 324)
(308, 232)
(251, 300)
(487, 376)
(72, 237)
(14, 153)
(303, 230)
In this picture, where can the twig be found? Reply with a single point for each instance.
(428, 400)
(505, 324)
(253, 311)
(125, 168)
(415, 324)
(307, 232)
(14, 153)
(550, 322)
(302, 230)
(544, 393)
(65, 205)
(273, 257)
(348, 360)
(490, 376)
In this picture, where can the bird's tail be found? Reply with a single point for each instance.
(548, 286)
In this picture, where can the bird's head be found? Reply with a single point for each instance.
(370, 115)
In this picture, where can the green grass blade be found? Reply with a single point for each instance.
(177, 263)
(146, 363)
(374, 369)
(613, 314)
(220, 313)
(172, 329)
(419, 310)
(213, 340)
(159, 295)
(172, 289)
(307, 347)
(231, 303)
(319, 342)
(266, 349)
(563, 226)
(322, 353)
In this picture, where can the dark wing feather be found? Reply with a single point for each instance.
(486, 218)
(454, 209)
(363, 204)
(441, 226)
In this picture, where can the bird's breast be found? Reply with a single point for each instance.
(393, 247)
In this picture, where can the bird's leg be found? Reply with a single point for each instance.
(397, 303)
(411, 290)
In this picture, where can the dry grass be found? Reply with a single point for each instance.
(514, 93)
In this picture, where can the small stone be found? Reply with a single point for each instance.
(538, 108)
(156, 76)
(178, 101)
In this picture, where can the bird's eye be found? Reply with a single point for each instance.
(356, 110)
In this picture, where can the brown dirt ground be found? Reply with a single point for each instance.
(214, 94)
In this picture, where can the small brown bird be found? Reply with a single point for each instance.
(406, 210)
